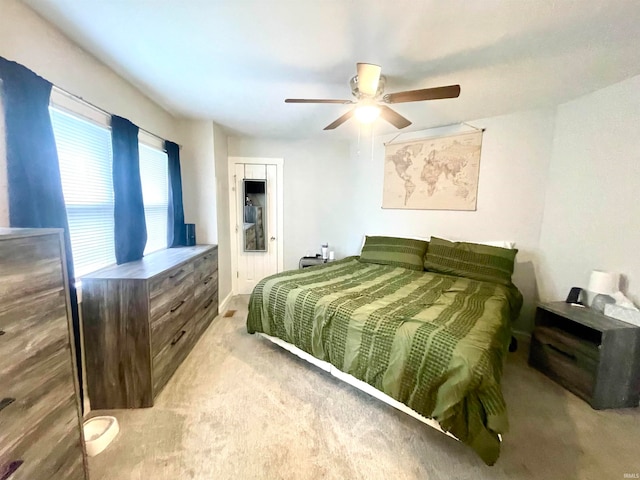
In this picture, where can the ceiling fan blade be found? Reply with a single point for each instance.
(368, 78)
(316, 100)
(393, 117)
(450, 91)
(340, 120)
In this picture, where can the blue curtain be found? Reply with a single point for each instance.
(176, 235)
(130, 224)
(35, 189)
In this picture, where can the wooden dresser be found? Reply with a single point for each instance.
(40, 423)
(142, 318)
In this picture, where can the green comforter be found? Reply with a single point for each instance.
(434, 342)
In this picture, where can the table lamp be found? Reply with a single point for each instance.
(603, 284)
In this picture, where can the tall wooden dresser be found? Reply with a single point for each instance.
(40, 424)
(142, 318)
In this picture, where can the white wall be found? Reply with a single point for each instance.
(198, 179)
(206, 192)
(224, 234)
(592, 212)
(317, 192)
(514, 165)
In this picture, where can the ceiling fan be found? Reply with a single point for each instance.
(368, 89)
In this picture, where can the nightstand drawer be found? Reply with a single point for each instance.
(566, 365)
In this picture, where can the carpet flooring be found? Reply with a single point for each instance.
(240, 407)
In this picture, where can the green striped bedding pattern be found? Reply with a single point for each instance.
(433, 342)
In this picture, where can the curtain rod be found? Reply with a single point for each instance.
(100, 110)
(479, 129)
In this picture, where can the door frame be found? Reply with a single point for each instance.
(233, 214)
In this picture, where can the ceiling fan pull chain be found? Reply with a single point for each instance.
(359, 131)
(372, 135)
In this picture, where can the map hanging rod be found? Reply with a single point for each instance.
(390, 142)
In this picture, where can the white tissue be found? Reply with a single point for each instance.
(623, 301)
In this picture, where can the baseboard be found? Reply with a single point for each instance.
(225, 303)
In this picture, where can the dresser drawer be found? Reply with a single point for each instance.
(31, 266)
(205, 286)
(174, 352)
(30, 333)
(169, 300)
(206, 311)
(206, 265)
(170, 280)
(164, 327)
(49, 449)
(32, 389)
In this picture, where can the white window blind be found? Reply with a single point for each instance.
(154, 175)
(84, 152)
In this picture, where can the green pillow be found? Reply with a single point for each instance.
(471, 260)
(399, 252)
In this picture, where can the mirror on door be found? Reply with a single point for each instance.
(254, 215)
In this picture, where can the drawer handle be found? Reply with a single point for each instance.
(208, 304)
(561, 352)
(9, 469)
(177, 339)
(177, 273)
(209, 278)
(177, 306)
(5, 402)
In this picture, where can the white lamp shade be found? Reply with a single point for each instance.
(603, 282)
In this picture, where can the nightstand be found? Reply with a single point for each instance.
(310, 262)
(594, 356)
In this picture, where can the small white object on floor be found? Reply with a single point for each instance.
(98, 433)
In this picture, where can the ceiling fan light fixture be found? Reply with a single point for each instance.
(367, 86)
(367, 113)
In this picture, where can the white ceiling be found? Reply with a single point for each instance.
(235, 61)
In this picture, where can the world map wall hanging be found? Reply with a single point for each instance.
(433, 173)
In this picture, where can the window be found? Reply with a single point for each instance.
(84, 152)
(83, 140)
(154, 174)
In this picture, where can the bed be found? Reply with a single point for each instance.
(434, 342)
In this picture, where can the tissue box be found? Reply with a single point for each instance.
(621, 313)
